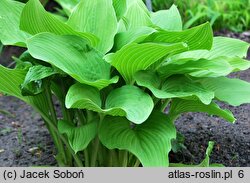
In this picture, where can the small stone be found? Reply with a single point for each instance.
(247, 33)
(1, 150)
(33, 150)
(15, 124)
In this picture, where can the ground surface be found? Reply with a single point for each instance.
(24, 140)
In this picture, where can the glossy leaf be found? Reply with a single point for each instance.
(135, 57)
(84, 63)
(128, 101)
(173, 87)
(10, 12)
(179, 106)
(97, 17)
(150, 142)
(35, 19)
(78, 137)
(168, 19)
(233, 91)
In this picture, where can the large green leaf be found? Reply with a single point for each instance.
(74, 56)
(78, 137)
(200, 37)
(97, 17)
(10, 12)
(233, 91)
(197, 68)
(179, 106)
(137, 15)
(168, 19)
(35, 19)
(150, 142)
(222, 47)
(173, 87)
(135, 57)
(127, 101)
(228, 47)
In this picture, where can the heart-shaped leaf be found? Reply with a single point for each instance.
(127, 101)
(150, 142)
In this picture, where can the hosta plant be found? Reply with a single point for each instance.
(114, 67)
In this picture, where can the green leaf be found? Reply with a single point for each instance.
(228, 47)
(197, 68)
(137, 15)
(135, 57)
(10, 81)
(233, 91)
(134, 35)
(173, 87)
(32, 84)
(179, 106)
(35, 19)
(120, 7)
(168, 19)
(199, 37)
(222, 47)
(97, 17)
(10, 12)
(128, 101)
(150, 142)
(68, 5)
(78, 137)
(84, 63)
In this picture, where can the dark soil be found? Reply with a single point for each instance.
(24, 140)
